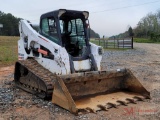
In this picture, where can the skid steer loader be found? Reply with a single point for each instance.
(58, 61)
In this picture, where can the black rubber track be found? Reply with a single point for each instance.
(30, 76)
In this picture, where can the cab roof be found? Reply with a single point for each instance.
(55, 13)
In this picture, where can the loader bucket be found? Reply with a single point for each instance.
(98, 90)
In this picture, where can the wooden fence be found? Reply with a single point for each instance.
(116, 43)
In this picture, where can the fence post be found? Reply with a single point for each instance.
(118, 43)
(123, 42)
(114, 43)
(132, 42)
(104, 43)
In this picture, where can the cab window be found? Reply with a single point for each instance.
(49, 29)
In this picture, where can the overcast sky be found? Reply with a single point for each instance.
(107, 17)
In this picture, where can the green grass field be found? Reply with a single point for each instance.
(144, 40)
(94, 41)
(8, 50)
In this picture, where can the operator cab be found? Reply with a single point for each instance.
(68, 29)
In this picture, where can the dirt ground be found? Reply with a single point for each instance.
(143, 61)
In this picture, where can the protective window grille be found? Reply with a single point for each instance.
(76, 27)
(77, 31)
(80, 28)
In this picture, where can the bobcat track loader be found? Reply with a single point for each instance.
(58, 61)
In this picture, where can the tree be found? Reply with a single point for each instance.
(147, 27)
(10, 24)
(93, 34)
(130, 31)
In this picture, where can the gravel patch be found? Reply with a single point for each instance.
(144, 62)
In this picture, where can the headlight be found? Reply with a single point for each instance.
(100, 50)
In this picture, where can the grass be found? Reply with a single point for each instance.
(8, 50)
(144, 40)
(94, 41)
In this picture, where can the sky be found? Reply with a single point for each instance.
(107, 17)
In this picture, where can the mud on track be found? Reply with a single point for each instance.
(144, 62)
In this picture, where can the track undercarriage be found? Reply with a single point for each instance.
(33, 78)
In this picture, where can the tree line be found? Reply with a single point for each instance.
(93, 34)
(147, 27)
(10, 26)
